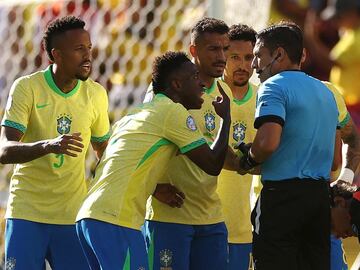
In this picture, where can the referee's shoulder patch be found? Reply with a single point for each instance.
(190, 123)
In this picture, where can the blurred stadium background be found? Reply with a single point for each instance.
(126, 35)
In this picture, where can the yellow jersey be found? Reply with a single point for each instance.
(344, 115)
(347, 53)
(50, 189)
(235, 190)
(135, 159)
(202, 204)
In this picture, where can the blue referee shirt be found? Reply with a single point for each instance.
(308, 113)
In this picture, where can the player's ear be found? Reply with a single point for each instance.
(55, 54)
(192, 50)
(175, 84)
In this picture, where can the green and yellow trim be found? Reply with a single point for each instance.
(153, 149)
(12, 124)
(344, 121)
(247, 96)
(101, 139)
(50, 81)
(192, 145)
(211, 88)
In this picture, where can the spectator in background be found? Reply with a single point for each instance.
(345, 56)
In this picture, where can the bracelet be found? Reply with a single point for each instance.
(346, 175)
(251, 161)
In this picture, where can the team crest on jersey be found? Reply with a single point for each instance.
(10, 264)
(190, 123)
(209, 120)
(239, 130)
(166, 259)
(64, 124)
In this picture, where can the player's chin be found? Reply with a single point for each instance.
(83, 76)
(196, 105)
(218, 72)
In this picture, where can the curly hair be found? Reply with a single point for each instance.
(208, 25)
(242, 32)
(164, 66)
(59, 27)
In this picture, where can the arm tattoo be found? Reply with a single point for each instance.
(351, 138)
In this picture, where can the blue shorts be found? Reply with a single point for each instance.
(338, 258)
(108, 246)
(28, 244)
(180, 246)
(240, 256)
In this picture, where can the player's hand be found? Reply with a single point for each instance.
(222, 104)
(65, 144)
(341, 222)
(169, 194)
(243, 147)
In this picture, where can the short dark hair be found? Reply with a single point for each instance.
(285, 34)
(242, 32)
(164, 66)
(208, 25)
(58, 27)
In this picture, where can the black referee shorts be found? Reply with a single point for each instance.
(291, 223)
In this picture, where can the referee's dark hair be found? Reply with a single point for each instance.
(57, 28)
(164, 66)
(286, 35)
(208, 25)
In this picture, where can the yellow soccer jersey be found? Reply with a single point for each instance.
(202, 204)
(50, 189)
(137, 155)
(347, 54)
(234, 189)
(344, 115)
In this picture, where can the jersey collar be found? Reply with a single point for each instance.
(50, 81)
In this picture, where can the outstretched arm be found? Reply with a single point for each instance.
(14, 151)
(211, 159)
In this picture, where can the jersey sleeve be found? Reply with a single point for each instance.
(344, 115)
(100, 128)
(181, 129)
(270, 105)
(18, 107)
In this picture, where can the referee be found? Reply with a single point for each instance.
(296, 119)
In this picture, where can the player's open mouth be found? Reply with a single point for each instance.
(86, 65)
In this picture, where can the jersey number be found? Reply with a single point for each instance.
(60, 162)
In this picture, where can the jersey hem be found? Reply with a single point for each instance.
(42, 220)
(207, 222)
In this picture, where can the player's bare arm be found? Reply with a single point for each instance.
(351, 138)
(14, 151)
(211, 159)
(99, 148)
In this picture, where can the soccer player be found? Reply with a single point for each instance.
(291, 218)
(234, 189)
(194, 236)
(50, 119)
(138, 153)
